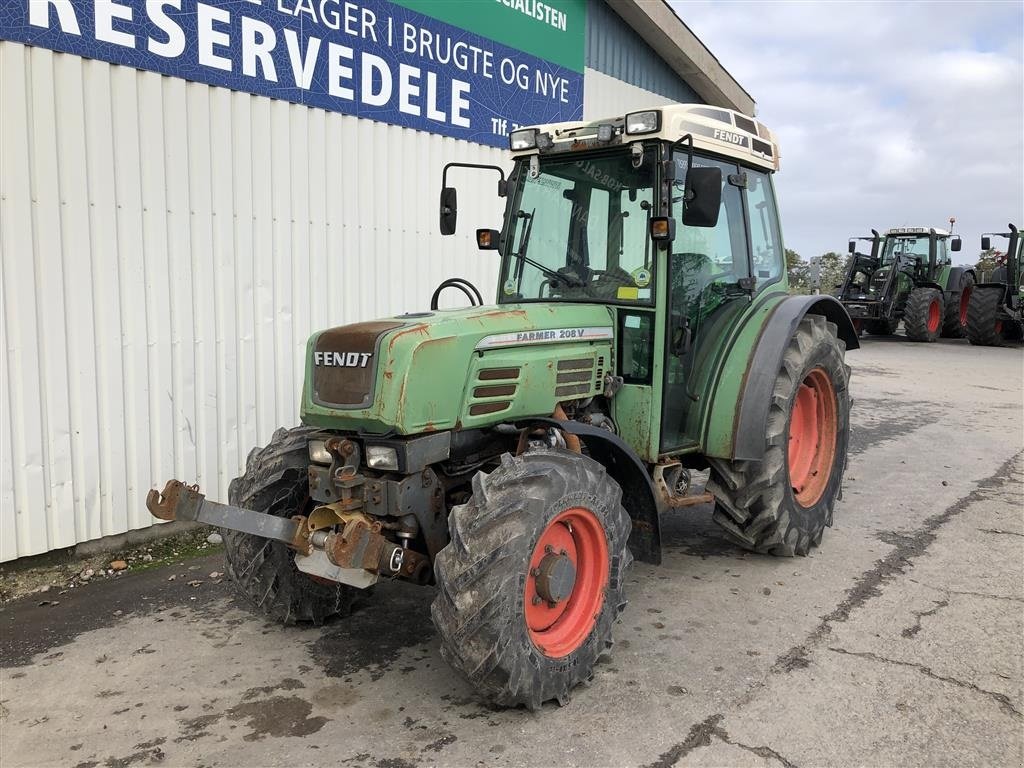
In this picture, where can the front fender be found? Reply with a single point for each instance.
(750, 422)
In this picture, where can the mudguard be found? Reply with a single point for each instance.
(751, 422)
(954, 277)
(625, 468)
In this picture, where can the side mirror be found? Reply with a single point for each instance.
(449, 210)
(703, 197)
(955, 245)
(986, 243)
(852, 247)
(487, 239)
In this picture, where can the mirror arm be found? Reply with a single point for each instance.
(502, 181)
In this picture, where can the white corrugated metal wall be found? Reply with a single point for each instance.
(166, 249)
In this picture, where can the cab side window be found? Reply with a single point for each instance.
(763, 220)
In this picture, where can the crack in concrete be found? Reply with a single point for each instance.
(918, 615)
(997, 531)
(1003, 700)
(869, 584)
(968, 594)
(700, 736)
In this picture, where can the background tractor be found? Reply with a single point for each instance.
(518, 456)
(994, 310)
(908, 276)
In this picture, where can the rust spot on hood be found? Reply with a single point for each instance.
(422, 328)
(499, 313)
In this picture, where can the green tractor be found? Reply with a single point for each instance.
(994, 312)
(908, 276)
(518, 457)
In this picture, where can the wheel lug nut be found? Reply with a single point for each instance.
(535, 572)
(536, 600)
(548, 549)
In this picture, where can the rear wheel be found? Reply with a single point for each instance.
(954, 323)
(880, 327)
(922, 317)
(276, 482)
(782, 504)
(531, 582)
(984, 316)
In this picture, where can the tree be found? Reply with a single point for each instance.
(798, 270)
(831, 271)
(988, 260)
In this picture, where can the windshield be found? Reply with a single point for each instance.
(578, 231)
(907, 247)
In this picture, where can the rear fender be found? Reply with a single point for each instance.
(751, 422)
(955, 276)
(625, 468)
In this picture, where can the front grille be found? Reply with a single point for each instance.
(344, 361)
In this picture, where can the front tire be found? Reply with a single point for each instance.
(532, 580)
(984, 316)
(782, 504)
(276, 482)
(922, 317)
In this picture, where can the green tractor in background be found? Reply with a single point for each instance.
(518, 456)
(994, 311)
(908, 276)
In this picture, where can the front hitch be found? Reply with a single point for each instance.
(351, 540)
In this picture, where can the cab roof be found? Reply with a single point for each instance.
(714, 129)
(916, 231)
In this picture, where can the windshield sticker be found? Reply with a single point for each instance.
(510, 287)
(549, 336)
(627, 293)
(642, 277)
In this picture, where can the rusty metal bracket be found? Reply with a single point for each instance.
(180, 501)
(666, 478)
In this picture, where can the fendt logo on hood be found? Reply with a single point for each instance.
(342, 359)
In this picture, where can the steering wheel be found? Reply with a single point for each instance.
(475, 299)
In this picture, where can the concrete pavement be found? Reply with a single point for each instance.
(898, 641)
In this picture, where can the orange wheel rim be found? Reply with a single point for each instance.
(965, 300)
(934, 316)
(812, 437)
(566, 582)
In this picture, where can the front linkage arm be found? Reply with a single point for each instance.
(358, 544)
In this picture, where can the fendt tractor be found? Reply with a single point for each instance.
(908, 276)
(517, 456)
(995, 312)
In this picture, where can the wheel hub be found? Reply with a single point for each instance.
(556, 579)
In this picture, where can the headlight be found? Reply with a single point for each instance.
(381, 457)
(523, 139)
(643, 122)
(318, 453)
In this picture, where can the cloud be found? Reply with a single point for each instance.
(887, 114)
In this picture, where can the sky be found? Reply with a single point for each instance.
(887, 114)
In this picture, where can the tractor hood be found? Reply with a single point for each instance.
(452, 369)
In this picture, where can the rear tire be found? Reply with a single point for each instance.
(922, 317)
(782, 504)
(493, 625)
(276, 482)
(879, 327)
(984, 316)
(954, 324)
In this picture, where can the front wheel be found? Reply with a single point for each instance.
(985, 316)
(531, 581)
(782, 504)
(263, 571)
(922, 317)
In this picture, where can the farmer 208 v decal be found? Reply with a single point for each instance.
(642, 331)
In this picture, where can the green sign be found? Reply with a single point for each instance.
(553, 30)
